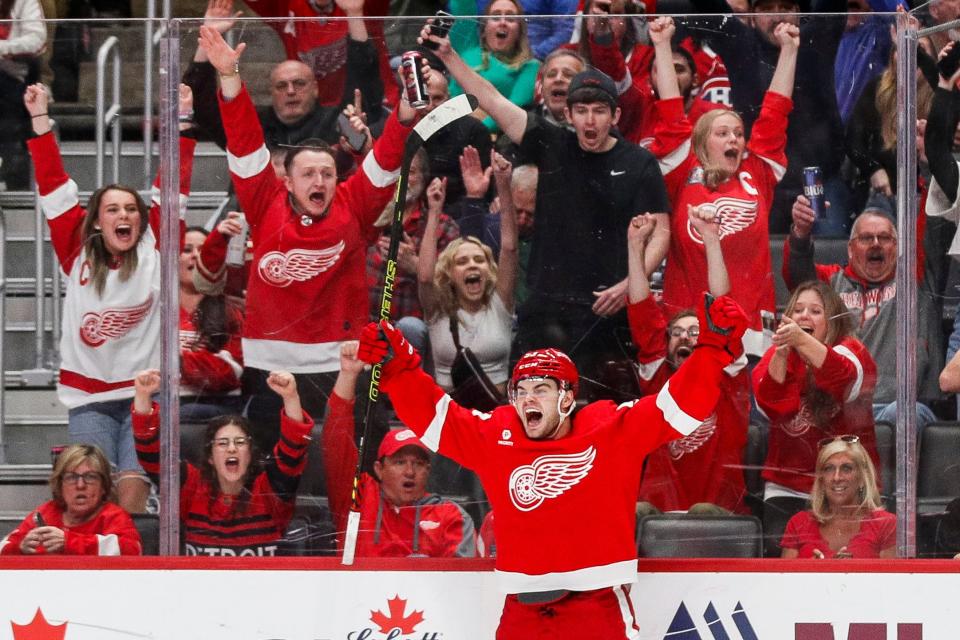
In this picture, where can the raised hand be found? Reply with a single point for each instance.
(232, 225)
(220, 15)
(476, 179)
(803, 217)
(349, 363)
(790, 334)
(282, 383)
(443, 48)
(36, 100)
(224, 58)
(661, 30)
(705, 221)
(787, 35)
(147, 382)
(185, 101)
(639, 230)
(722, 325)
(502, 168)
(436, 195)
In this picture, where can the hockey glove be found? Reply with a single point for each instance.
(385, 343)
(722, 324)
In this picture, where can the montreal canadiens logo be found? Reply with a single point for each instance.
(97, 328)
(548, 477)
(297, 265)
(735, 216)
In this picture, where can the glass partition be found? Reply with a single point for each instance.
(287, 250)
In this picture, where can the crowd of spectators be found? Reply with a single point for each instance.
(619, 165)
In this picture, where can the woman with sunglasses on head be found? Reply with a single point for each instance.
(846, 518)
(80, 519)
(237, 503)
(816, 381)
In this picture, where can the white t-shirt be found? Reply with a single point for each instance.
(487, 333)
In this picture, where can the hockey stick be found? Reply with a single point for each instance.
(449, 111)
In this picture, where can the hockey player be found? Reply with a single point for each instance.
(556, 480)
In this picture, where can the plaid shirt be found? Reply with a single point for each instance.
(406, 301)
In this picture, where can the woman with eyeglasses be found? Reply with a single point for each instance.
(816, 381)
(237, 503)
(497, 48)
(80, 519)
(846, 518)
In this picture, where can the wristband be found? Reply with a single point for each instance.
(39, 115)
(185, 118)
(236, 71)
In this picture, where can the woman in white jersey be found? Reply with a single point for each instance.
(111, 314)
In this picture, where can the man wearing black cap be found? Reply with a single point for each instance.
(591, 185)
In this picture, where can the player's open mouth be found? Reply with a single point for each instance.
(533, 417)
(124, 231)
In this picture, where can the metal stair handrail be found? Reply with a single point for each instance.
(108, 116)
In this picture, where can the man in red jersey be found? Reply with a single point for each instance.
(554, 478)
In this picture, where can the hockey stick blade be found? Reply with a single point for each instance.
(451, 110)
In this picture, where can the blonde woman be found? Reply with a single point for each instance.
(467, 284)
(846, 518)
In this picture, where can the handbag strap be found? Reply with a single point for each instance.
(455, 330)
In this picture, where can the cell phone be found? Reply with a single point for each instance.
(38, 519)
(949, 63)
(356, 139)
(440, 27)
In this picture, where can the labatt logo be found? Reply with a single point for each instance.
(395, 624)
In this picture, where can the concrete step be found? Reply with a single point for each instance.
(23, 487)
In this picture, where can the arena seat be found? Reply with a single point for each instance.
(887, 450)
(148, 525)
(938, 466)
(699, 536)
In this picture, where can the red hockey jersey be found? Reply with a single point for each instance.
(217, 526)
(706, 465)
(203, 371)
(565, 508)
(307, 290)
(743, 204)
(847, 377)
(110, 532)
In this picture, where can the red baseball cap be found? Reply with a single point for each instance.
(397, 439)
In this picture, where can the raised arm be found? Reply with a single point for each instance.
(511, 118)
(938, 137)
(225, 59)
(284, 385)
(661, 33)
(707, 224)
(509, 260)
(337, 443)
(427, 263)
(788, 35)
(638, 234)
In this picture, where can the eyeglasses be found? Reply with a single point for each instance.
(691, 332)
(238, 442)
(297, 84)
(867, 239)
(90, 477)
(848, 438)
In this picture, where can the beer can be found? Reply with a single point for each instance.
(237, 246)
(414, 82)
(813, 190)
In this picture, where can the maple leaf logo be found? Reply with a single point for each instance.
(396, 619)
(38, 629)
